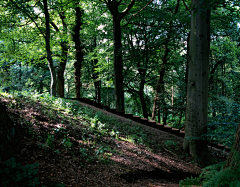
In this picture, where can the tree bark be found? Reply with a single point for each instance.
(142, 99)
(233, 160)
(118, 61)
(49, 53)
(97, 83)
(63, 61)
(79, 51)
(61, 69)
(142, 72)
(6, 133)
(197, 90)
(160, 84)
(118, 65)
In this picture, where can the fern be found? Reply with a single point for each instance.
(216, 176)
(190, 181)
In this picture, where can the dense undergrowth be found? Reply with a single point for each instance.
(94, 128)
(215, 176)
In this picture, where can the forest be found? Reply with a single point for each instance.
(171, 62)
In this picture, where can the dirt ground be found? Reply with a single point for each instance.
(128, 165)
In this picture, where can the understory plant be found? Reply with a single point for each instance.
(215, 176)
(14, 174)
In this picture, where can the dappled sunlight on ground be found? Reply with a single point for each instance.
(67, 152)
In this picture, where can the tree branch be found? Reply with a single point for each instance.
(185, 5)
(119, 2)
(136, 14)
(54, 26)
(125, 12)
(28, 15)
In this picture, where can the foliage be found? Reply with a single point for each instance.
(215, 176)
(190, 181)
(12, 173)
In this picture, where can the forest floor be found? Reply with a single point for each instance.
(75, 156)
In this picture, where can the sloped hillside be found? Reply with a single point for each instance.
(69, 143)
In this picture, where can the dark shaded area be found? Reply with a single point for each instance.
(133, 176)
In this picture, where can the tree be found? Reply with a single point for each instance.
(48, 48)
(159, 93)
(117, 16)
(64, 53)
(78, 50)
(197, 89)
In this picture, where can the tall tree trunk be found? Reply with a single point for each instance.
(79, 52)
(142, 72)
(142, 99)
(118, 61)
(164, 104)
(160, 84)
(61, 69)
(49, 53)
(97, 83)
(6, 134)
(233, 160)
(197, 90)
(63, 61)
(160, 87)
(118, 65)
(184, 99)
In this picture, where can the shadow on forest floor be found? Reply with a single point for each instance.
(95, 147)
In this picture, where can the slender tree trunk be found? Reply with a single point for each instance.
(142, 99)
(164, 104)
(49, 53)
(197, 91)
(172, 99)
(79, 52)
(97, 83)
(184, 99)
(160, 83)
(233, 160)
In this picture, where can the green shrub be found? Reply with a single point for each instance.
(215, 176)
(14, 174)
